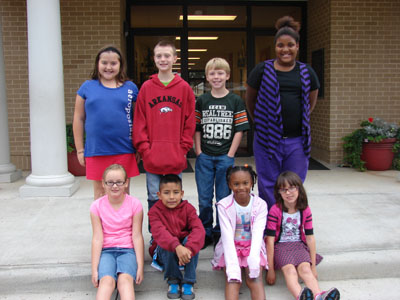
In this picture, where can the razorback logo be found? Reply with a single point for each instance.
(165, 109)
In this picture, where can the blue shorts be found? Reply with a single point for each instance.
(114, 261)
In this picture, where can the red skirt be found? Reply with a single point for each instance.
(96, 165)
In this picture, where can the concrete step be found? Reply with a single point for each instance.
(75, 277)
(357, 289)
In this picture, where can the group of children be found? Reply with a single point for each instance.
(247, 238)
(289, 244)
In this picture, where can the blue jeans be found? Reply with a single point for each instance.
(153, 186)
(210, 171)
(114, 261)
(171, 267)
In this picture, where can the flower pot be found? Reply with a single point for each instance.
(378, 156)
(74, 167)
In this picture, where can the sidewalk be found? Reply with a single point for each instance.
(45, 242)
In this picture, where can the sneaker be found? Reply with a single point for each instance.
(174, 291)
(208, 240)
(187, 291)
(332, 294)
(216, 237)
(305, 294)
(155, 264)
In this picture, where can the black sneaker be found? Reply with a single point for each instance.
(216, 237)
(208, 240)
(305, 294)
(187, 292)
(332, 294)
(174, 291)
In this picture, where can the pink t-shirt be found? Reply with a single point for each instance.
(116, 224)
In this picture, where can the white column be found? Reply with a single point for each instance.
(8, 172)
(49, 176)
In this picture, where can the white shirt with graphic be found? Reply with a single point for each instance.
(290, 227)
(243, 222)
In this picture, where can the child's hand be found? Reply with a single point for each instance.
(271, 277)
(138, 157)
(139, 276)
(184, 255)
(314, 271)
(81, 158)
(95, 279)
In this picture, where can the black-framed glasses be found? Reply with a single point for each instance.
(291, 189)
(111, 183)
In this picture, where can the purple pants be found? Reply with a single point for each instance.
(289, 156)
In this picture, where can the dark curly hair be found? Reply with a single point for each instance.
(245, 168)
(287, 26)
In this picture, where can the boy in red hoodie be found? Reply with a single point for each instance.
(164, 121)
(179, 235)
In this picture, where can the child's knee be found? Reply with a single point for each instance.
(107, 281)
(124, 280)
(289, 270)
(304, 269)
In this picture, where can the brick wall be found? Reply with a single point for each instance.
(362, 63)
(318, 37)
(86, 27)
(363, 67)
(15, 49)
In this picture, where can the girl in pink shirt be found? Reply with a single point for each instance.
(117, 243)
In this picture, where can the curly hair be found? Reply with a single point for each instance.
(245, 168)
(287, 26)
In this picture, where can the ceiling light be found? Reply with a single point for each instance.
(209, 17)
(199, 38)
(191, 58)
(193, 50)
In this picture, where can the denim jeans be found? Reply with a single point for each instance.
(114, 261)
(210, 171)
(171, 266)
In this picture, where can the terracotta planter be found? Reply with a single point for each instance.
(74, 167)
(378, 156)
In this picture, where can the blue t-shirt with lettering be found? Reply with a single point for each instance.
(109, 113)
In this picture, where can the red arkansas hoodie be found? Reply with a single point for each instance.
(164, 125)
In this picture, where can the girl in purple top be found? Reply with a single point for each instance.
(117, 243)
(290, 240)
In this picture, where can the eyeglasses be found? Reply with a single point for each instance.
(111, 183)
(291, 189)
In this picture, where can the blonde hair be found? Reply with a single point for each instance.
(112, 168)
(218, 63)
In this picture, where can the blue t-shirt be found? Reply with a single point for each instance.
(109, 114)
